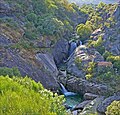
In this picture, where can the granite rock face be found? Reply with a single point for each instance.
(91, 108)
(83, 86)
(90, 96)
(13, 59)
(60, 51)
(48, 63)
(85, 55)
(110, 36)
(103, 106)
(4, 41)
(82, 105)
(5, 9)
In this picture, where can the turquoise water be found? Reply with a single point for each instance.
(71, 101)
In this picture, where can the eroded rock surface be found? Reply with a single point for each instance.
(84, 56)
(13, 59)
(83, 86)
(103, 106)
(60, 51)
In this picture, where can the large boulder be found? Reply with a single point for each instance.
(91, 108)
(103, 106)
(83, 86)
(48, 63)
(82, 105)
(82, 55)
(90, 96)
(60, 51)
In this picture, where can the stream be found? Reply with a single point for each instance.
(72, 99)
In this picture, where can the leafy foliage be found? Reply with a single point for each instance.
(113, 108)
(45, 17)
(84, 31)
(25, 96)
(115, 60)
(97, 19)
(9, 71)
(78, 62)
(91, 69)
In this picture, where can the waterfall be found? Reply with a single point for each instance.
(63, 89)
(65, 92)
(72, 47)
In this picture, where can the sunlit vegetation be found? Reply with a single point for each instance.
(114, 59)
(91, 69)
(45, 17)
(97, 18)
(113, 108)
(78, 62)
(25, 96)
(84, 31)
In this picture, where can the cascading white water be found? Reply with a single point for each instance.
(63, 89)
(65, 92)
(72, 99)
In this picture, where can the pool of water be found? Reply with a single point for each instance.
(72, 101)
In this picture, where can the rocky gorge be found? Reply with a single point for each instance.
(91, 70)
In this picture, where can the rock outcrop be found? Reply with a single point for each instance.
(90, 96)
(82, 56)
(48, 63)
(32, 68)
(82, 105)
(4, 41)
(91, 108)
(103, 106)
(83, 86)
(60, 51)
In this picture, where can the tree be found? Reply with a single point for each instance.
(84, 31)
(24, 96)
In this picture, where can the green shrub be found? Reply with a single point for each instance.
(106, 54)
(107, 76)
(32, 17)
(24, 96)
(115, 60)
(101, 49)
(88, 76)
(30, 35)
(78, 62)
(90, 70)
(113, 108)
(84, 31)
(97, 43)
(91, 67)
(9, 71)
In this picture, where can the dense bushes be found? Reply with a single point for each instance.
(9, 71)
(25, 96)
(115, 60)
(97, 18)
(91, 69)
(114, 108)
(84, 31)
(45, 17)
